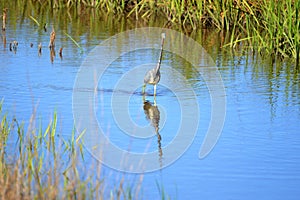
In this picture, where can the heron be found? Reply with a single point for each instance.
(153, 76)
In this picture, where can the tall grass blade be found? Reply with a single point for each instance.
(74, 41)
(35, 21)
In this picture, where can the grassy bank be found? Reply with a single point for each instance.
(42, 165)
(264, 26)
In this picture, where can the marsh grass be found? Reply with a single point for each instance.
(74, 41)
(41, 165)
(268, 27)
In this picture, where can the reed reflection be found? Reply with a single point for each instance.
(52, 54)
(153, 115)
(4, 39)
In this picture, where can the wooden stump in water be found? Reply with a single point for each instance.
(52, 39)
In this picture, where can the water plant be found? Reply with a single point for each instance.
(74, 41)
(268, 27)
(39, 164)
(4, 16)
(35, 20)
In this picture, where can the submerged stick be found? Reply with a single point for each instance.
(45, 27)
(40, 49)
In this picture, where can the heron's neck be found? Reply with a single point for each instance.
(160, 57)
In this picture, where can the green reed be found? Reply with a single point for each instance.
(42, 165)
(270, 27)
(74, 41)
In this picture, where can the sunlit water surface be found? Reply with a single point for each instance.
(257, 155)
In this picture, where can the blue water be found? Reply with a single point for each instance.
(256, 157)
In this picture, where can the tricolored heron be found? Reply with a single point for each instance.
(153, 76)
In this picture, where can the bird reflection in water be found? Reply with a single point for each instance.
(153, 115)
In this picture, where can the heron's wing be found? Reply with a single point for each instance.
(149, 76)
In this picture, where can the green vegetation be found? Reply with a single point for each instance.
(41, 165)
(264, 26)
(270, 28)
(74, 41)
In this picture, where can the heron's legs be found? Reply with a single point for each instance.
(154, 94)
(144, 98)
(143, 89)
